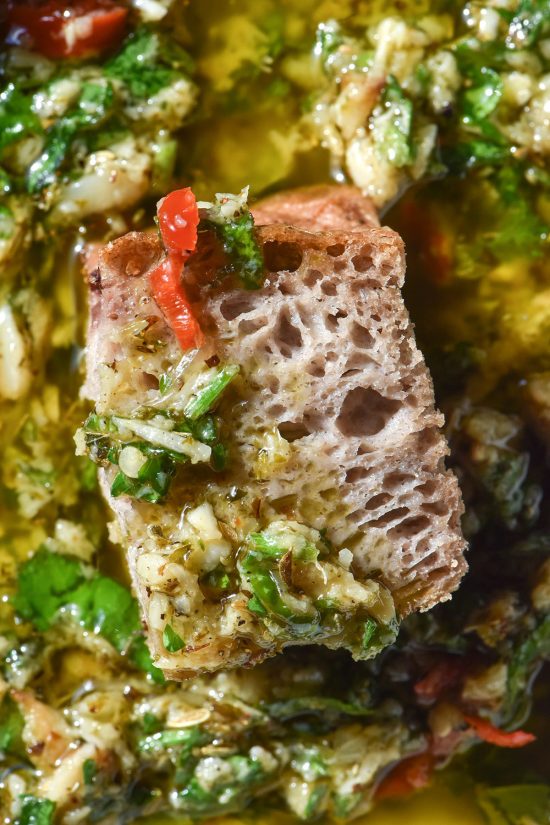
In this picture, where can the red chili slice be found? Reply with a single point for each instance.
(171, 299)
(495, 736)
(66, 30)
(503, 739)
(178, 216)
(410, 775)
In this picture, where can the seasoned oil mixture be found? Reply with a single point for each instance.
(439, 111)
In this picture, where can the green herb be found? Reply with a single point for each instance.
(300, 618)
(207, 396)
(245, 254)
(228, 794)
(394, 126)
(50, 585)
(148, 63)
(11, 727)
(323, 706)
(328, 39)
(171, 640)
(104, 443)
(217, 581)
(17, 120)
(36, 811)
(255, 606)
(527, 23)
(186, 738)
(153, 480)
(527, 656)
(369, 630)
(92, 108)
(89, 771)
(307, 760)
(482, 96)
(344, 805)
(516, 804)
(314, 802)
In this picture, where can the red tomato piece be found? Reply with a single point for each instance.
(410, 775)
(172, 301)
(441, 677)
(503, 739)
(178, 216)
(60, 29)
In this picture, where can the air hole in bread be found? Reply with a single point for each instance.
(363, 261)
(392, 515)
(293, 430)
(377, 501)
(410, 526)
(248, 327)
(428, 438)
(365, 412)
(435, 508)
(328, 287)
(282, 255)
(286, 287)
(332, 320)
(312, 276)
(395, 480)
(358, 360)
(336, 250)
(428, 488)
(360, 336)
(286, 335)
(356, 474)
(376, 318)
(236, 305)
(316, 368)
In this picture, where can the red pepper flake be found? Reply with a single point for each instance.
(408, 776)
(495, 736)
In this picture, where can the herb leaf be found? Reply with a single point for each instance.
(207, 396)
(171, 640)
(36, 811)
(516, 804)
(92, 108)
(394, 126)
(50, 584)
(11, 727)
(146, 64)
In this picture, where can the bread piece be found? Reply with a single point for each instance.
(327, 360)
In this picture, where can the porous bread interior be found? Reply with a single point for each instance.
(328, 351)
(327, 355)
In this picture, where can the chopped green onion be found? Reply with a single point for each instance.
(207, 397)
